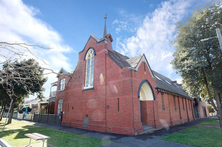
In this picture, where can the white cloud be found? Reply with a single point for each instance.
(129, 22)
(154, 36)
(19, 24)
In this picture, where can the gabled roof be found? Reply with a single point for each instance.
(124, 61)
(104, 39)
(118, 58)
(62, 72)
(162, 82)
(134, 61)
(166, 84)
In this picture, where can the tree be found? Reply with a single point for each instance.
(20, 79)
(4, 100)
(198, 57)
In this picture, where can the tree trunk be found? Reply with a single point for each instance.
(219, 106)
(11, 113)
(2, 112)
(209, 93)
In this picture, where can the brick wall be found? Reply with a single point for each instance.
(113, 104)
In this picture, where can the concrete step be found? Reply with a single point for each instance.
(148, 129)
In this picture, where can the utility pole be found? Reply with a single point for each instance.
(219, 36)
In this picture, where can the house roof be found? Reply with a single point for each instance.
(166, 84)
(62, 72)
(134, 61)
(118, 58)
(162, 82)
(104, 39)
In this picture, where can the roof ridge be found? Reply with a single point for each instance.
(135, 57)
(121, 54)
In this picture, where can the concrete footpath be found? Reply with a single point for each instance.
(144, 140)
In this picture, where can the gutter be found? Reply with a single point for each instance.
(174, 93)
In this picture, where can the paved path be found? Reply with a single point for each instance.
(144, 140)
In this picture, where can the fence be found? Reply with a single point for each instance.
(44, 118)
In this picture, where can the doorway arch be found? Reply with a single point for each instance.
(145, 93)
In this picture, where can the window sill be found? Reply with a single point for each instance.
(88, 88)
(61, 90)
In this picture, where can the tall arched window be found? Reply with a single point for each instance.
(89, 68)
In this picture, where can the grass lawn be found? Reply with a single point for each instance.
(206, 134)
(14, 136)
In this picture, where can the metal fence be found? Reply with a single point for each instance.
(44, 118)
(47, 118)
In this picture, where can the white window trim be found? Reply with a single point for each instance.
(62, 84)
(60, 105)
(91, 73)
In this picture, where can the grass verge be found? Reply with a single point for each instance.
(203, 135)
(14, 135)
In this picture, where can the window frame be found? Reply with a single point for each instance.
(162, 100)
(183, 104)
(62, 84)
(174, 100)
(59, 106)
(89, 70)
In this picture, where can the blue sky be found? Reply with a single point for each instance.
(137, 27)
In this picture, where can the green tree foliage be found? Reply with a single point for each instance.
(20, 79)
(198, 57)
(211, 110)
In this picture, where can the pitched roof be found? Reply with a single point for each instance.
(162, 82)
(118, 58)
(104, 39)
(134, 61)
(62, 72)
(166, 84)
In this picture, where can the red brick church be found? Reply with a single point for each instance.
(110, 92)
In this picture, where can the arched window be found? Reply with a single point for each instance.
(89, 68)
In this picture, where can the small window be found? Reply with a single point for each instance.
(59, 109)
(183, 104)
(62, 84)
(174, 100)
(118, 104)
(163, 108)
(168, 82)
(190, 104)
(157, 77)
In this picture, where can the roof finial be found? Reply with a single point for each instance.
(104, 33)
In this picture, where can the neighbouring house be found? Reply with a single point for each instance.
(52, 97)
(37, 106)
(200, 108)
(110, 92)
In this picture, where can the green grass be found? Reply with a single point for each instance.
(199, 136)
(210, 122)
(14, 135)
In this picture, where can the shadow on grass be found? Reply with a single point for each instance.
(58, 138)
